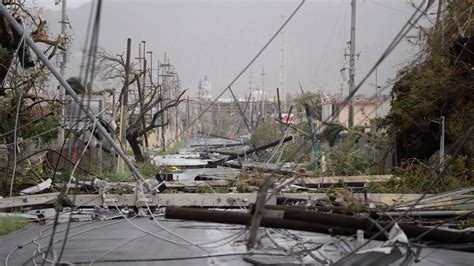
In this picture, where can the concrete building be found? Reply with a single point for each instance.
(365, 109)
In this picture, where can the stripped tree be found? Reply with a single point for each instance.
(144, 99)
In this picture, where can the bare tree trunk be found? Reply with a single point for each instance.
(132, 139)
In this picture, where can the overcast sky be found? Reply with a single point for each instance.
(218, 38)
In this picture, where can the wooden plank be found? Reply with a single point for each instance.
(31, 200)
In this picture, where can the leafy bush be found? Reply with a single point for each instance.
(414, 176)
(293, 151)
(347, 158)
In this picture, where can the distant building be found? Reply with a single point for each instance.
(365, 109)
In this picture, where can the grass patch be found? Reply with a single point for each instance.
(125, 176)
(147, 170)
(11, 224)
(173, 149)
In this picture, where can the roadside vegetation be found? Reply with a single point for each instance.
(11, 224)
(174, 148)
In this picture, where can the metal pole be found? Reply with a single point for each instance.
(187, 116)
(441, 146)
(262, 100)
(5, 13)
(352, 64)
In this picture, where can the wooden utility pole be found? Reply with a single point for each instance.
(145, 136)
(164, 85)
(177, 91)
(62, 66)
(279, 107)
(187, 116)
(258, 212)
(124, 106)
(141, 99)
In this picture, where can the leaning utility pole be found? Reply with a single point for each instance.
(62, 66)
(352, 64)
(441, 145)
(124, 105)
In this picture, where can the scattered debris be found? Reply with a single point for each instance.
(38, 188)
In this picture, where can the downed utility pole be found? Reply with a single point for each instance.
(245, 112)
(258, 211)
(276, 221)
(293, 127)
(16, 27)
(326, 223)
(261, 148)
(362, 223)
(213, 135)
(279, 107)
(242, 114)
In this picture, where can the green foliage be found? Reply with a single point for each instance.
(76, 85)
(439, 83)
(314, 102)
(331, 132)
(209, 189)
(147, 170)
(416, 177)
(7, 124)
(268, 132)
(11, 224)
(126, 175)
(4, 54)
(346, 158)
(173, 149)
(467, 224)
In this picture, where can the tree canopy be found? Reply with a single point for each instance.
(439, 82)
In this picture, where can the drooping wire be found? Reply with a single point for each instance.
(94, 41)
(17, 115)
(90, 63)
(202, 112)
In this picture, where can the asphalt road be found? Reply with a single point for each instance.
(118, 242)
